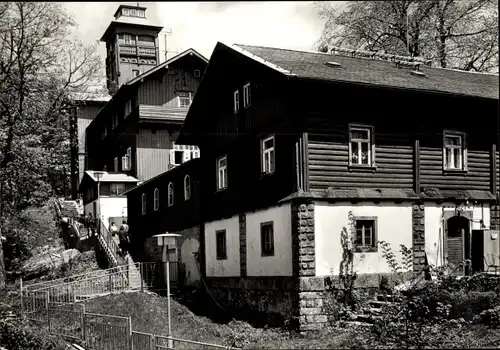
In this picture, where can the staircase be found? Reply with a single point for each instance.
(124, 273)
(371, 313)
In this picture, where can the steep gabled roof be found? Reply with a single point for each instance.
(383, 73)
(166, 63)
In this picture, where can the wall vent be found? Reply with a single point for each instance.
(333, 64)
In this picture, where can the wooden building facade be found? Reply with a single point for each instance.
(300, 148)
(135, 132)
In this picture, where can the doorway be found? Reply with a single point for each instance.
(457, 242)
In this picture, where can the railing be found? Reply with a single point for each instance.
(112, 250)
(129, 50)
(145, 51)
(99, 331)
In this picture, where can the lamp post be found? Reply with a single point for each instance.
(165, 240)
(98, 175)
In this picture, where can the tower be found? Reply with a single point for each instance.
(131, 46)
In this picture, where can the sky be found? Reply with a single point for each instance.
(200, 25)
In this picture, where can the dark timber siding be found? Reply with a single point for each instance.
(152, 152)
(399, 125)
(164, 85)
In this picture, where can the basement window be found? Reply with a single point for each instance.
(366, 234)
(220, 244)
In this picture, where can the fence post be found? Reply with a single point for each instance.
(84, 333)
(131, 345)
(110, 290)
(22, 304)
(141, 273)
(48, 309)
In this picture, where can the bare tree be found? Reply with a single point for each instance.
(40, 65)
(459, 34)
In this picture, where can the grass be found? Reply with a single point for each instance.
(149, 315)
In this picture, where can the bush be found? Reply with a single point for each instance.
(19, 335)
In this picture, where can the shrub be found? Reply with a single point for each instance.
(19, 335)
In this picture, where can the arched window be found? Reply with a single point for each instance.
(187, 187)
(157, 199)
(143, 203)
(170, 194)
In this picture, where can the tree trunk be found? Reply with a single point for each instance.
(2, 258)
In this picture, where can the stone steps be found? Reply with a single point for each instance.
(374, 311)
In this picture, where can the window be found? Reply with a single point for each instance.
(178, 157)
(115, 169)
(187, 187)
(267, 147)
(366, 234)
(267, 238)
(141, 13)
(454, 151)
(143, 203)
(170, 194)
(128, 108)
(127, 160)
(184, 99)
(246, 95)
(135, 73)
(360, 146)
(129, 39)
(197, 73)
(117, 189)
(156, 199)
(125, 12)
(236, 101)
(221, 173)
(220, 242)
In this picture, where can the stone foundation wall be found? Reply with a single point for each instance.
(418, 218)
(268, 300)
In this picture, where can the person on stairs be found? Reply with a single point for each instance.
(124, 238)
(113, 229)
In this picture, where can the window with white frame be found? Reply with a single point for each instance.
(360, 146)
(187, 187)
(366, 234)
(156, 199)
(246, 95)
(115, 165)
(185, 99)
(236, 99)
(143, 200)
(222, 172)
(454, 151)
(127, 160)
(170, 194)
(267, 147)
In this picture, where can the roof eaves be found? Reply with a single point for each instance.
(166, 63)
(391, 87)
(256, 58)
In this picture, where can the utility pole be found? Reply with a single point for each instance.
(167, 32)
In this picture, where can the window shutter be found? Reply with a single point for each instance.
(186, 156)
